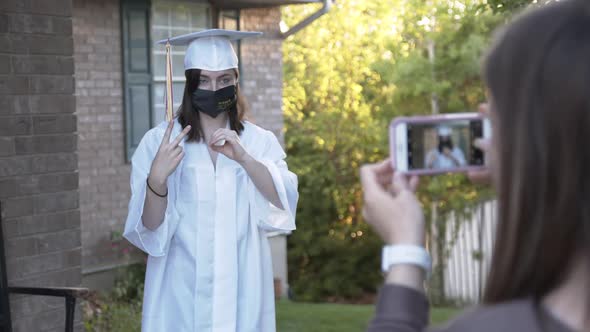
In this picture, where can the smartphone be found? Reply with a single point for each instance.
(426, 145)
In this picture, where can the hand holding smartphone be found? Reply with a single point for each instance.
(427, 145)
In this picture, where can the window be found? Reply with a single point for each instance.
(171, 19)
(144, 63)
(230, 20)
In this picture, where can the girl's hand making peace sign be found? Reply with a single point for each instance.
(167, 158)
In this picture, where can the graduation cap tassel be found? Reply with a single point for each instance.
(169, 100)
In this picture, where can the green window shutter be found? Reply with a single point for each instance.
(137, 75)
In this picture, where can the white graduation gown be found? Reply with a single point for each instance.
(209, 266)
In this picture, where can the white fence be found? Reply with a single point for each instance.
(465, 275)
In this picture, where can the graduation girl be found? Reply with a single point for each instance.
(202, 189)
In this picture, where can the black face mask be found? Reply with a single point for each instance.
(214, 103)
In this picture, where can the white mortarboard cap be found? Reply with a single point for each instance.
(444, 131)
(210, 49)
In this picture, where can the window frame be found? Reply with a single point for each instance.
(216, 18)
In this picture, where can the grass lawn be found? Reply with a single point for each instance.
(296, 317)
(291, 317)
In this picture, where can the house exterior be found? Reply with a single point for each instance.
(81, 81)
(38, 157)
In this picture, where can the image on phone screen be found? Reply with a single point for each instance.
(447, 145)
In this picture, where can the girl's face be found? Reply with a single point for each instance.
(215, 80)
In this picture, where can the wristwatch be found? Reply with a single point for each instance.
(405, 254)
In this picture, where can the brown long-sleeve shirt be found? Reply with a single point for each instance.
(401, 309)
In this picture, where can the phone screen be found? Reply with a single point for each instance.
(446, 145)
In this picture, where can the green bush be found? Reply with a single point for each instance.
(120, 310)
(115, 317)
(129, 283)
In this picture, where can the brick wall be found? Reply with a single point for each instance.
(262, 74)
(262, 68)
(38, 160)
(104, 173)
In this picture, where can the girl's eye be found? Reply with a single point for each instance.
(226, 81)
(202, 81)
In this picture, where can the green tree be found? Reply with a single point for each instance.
(331, 130)
(508, 5)
(346, 77)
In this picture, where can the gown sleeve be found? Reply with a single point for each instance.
(154, 243)
(400, 309)
(285, 181)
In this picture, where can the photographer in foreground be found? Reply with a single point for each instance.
(538, 76)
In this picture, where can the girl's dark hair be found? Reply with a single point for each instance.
(188, 116)
(538, 73)
(446, 142)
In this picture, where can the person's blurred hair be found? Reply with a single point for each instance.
(538, 73)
